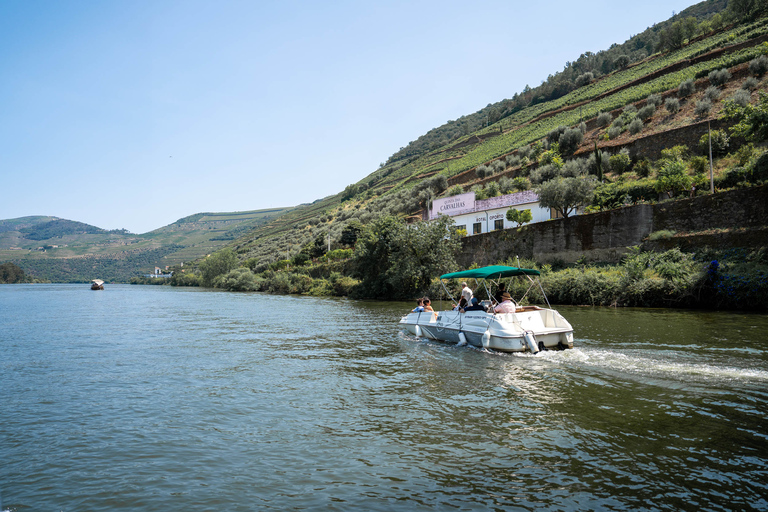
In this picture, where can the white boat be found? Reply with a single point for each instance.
(529, 328)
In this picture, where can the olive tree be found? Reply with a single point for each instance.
(565, 195)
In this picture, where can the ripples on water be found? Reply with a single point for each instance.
(149, 398)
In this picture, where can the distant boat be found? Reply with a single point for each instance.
(98, 284)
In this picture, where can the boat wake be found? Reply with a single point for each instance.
(655, 367)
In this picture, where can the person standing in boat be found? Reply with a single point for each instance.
(506, 305)
(466, 292)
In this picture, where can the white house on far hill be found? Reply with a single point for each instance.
(485, 215)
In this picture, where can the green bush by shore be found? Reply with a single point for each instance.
(734, 279)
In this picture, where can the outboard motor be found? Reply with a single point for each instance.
(530, 340)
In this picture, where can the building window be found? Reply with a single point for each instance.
(462, 227)
(498, 224)
(554, 214)
(477, 228)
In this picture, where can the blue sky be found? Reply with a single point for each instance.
(133, 114)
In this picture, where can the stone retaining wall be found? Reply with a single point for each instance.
(737, 218)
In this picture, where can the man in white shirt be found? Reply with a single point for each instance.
(466, 292)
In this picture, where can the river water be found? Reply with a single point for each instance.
(154, 398)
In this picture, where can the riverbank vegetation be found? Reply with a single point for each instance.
(623, 126)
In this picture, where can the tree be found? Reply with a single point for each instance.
(11, 273)
(398, 261)
(673, 178)
(752, 119)
(747, 8)
(564, 195)
(519, 216)
(217, 264)
(570, 141)
(351, 232)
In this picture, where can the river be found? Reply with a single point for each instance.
(155, 398)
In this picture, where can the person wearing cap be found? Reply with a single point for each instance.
(476, 306)
(506, 305)
(466, 292)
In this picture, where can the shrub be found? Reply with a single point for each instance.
(674, 153)
(699, 164)
(513, 160)
(759, 65)
(673, 178)
(744, 154)
(482, 171)
(646, 112)
(741, 97)
(672, 105)
(544, 173)
(712, 93)
(614, 131)
(238, 280)
(663, 234)
(604, 119)
(570, 141)
(720, 143)
(643, 168)
(584, 79)
(653, 99)
(636, 126)
(702, 107)
(750, 84)
(759, 171)
(554, 134)
(455, 190)
(719, 77)
(686, 88)
(521, 183)
(620, 163)
(499, 166)
(493, 189)
(629, 109)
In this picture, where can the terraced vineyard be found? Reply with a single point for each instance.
(660, 74)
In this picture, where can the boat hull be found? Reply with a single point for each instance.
(503, 332)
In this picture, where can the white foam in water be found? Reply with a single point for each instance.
(638, 364)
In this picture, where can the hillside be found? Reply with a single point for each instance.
(488, 158)
(68, 251)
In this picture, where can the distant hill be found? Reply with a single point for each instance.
(62, 250)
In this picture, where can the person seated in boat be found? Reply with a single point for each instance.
(506, 305)
(474, 306)
(462, 303)
(498, 297)
(419, 306)
(427, 304)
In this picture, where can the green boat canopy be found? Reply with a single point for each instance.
(492, 272)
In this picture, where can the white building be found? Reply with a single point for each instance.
(489, 214)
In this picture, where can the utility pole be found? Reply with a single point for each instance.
(711, 166)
